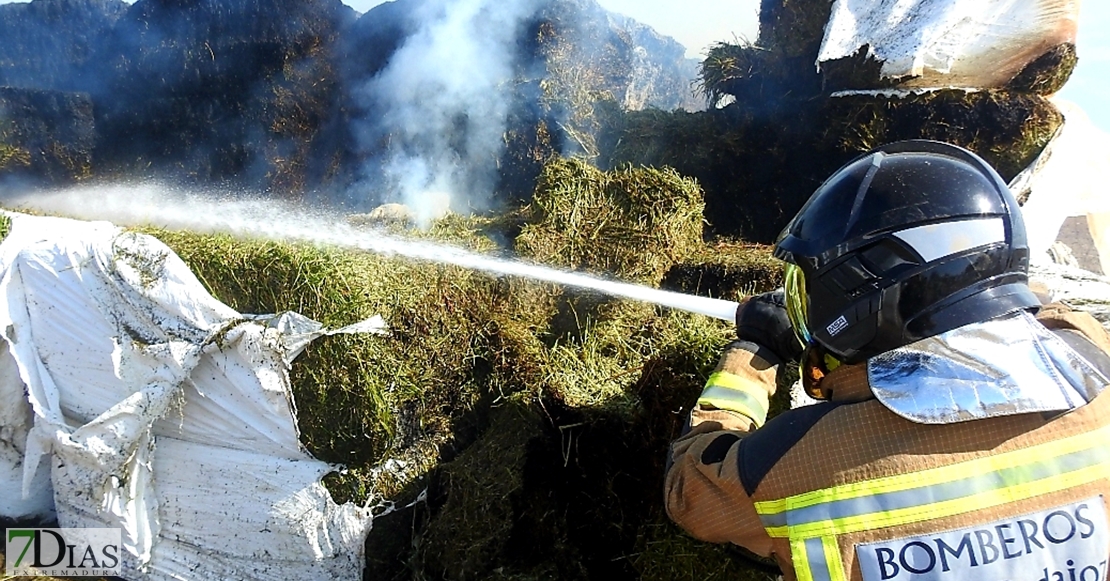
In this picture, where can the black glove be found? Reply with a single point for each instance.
(762, 320)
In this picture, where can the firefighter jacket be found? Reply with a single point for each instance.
(854, 489)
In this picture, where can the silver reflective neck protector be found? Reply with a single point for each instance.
(1006, 366)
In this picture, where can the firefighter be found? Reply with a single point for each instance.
(961, 433)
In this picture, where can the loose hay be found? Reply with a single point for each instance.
(633, 223)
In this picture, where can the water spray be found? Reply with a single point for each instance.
(141, 205)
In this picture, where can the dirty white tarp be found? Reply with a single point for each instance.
(949, 43)
(131, 398)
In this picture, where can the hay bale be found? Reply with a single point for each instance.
(1048, 73)
(630, 223)
(587, 490)
(363, 400)
(12, 157)
(796, 27)
(223, 92)
(1008, 129)
(53, 44)
(756, 166)
(1044, 75)
(757, 78)
(536, 418)
(46, 136)
(479, 491)
(728, 270)
(541, 444)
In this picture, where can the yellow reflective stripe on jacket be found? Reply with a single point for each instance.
(823, 557)
(725, 391)
(813, 520)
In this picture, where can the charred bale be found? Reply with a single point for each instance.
(762, 80)
(46, 137)
(598, 51)
(1044, 75)
(756, 168)
(224, 92)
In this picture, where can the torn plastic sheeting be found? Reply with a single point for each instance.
(949, 43)
(289, 530)
(143, 385)
(16, 419)
(296, 331)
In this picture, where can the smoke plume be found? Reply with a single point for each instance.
(442, 108)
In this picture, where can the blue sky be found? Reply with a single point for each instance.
(699, 23)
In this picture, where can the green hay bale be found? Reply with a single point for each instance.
(364, 399)
(1044, 75)
(592, 475)
(796, 27)
(1008, 129)
(480, 490)
(727, 270)
(538, 420)
(759, 78)
(595, 363)
(1048, 73)
(630, 223)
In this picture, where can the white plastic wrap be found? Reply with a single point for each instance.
(16, 419)
(1070, 178)
(949, 43)
(159, 410)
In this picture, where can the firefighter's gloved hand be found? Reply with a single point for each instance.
(762, 320)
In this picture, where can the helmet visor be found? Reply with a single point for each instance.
(796, 302)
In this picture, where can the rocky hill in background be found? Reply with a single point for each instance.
(272, 95)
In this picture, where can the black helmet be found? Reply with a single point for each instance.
(911, 240)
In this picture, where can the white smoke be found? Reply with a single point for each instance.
(446, 106)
